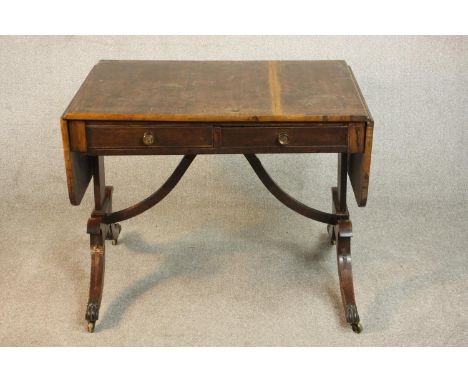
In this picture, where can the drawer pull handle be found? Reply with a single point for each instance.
(148, 138)
(283, 139)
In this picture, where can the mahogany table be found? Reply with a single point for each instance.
(217, 107)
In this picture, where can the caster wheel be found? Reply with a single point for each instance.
(331, 234)
(357, 328)
(118, 228)
(91, 325)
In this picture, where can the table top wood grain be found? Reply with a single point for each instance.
(266, 94)
(211, 91)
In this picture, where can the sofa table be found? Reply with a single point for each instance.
(217, 107)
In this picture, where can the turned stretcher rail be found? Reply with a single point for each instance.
(286, 199)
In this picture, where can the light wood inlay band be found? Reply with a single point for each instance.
(275, 88)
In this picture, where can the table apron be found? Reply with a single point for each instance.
(106, 138)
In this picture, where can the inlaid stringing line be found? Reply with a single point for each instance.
(275, 88)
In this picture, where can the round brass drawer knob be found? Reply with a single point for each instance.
(148, 138)
(283, 139)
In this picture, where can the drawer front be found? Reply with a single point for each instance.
(151, 136)
(320, 136)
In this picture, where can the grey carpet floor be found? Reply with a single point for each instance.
(247, 273)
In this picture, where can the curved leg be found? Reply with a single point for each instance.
(97, 244)
(113, 232)
(286, 199)
(153, 199)
(343, 232)
(331, 227)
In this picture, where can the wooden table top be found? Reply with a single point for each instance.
(232, 96)
(210, 91)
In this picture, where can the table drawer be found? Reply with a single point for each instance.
(275, 136)
(101, 136)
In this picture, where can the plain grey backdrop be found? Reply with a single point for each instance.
(220, 261)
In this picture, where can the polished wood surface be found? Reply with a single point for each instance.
(102, 136)
(285, 136)
(217, 107)
(128, 138)
(77, 167)
(216, 91)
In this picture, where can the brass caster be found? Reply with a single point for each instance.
(331, 234)
(357, 328)
(91, 325)
(118, 228)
